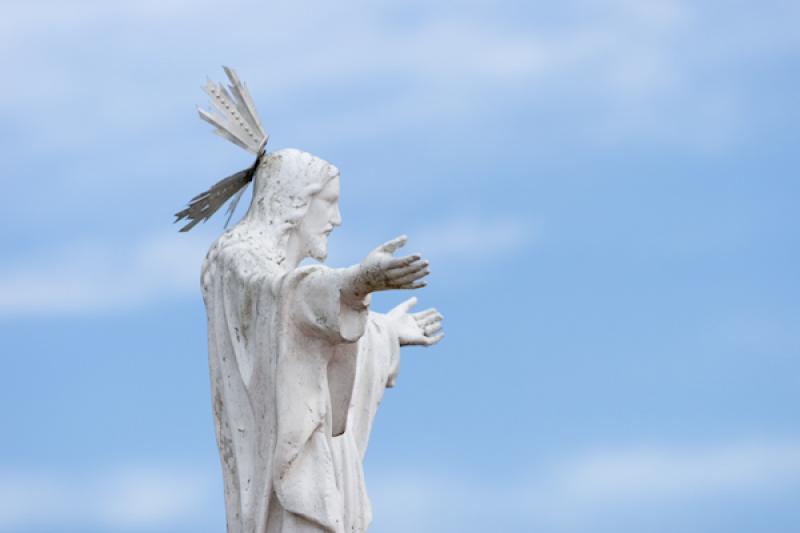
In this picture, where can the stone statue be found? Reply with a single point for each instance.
(298, 361)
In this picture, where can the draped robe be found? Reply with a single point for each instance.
(296, 376)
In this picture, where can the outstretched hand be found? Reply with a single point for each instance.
(381, 271)
(421, 329)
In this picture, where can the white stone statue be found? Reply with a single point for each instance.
(298, 361)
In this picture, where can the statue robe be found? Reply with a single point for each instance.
(377, 364)
(292, 366)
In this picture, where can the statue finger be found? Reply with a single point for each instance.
(430, 341)
(408, 304)
(402, 262)
(426, 316)
(414, 285)
(394, 244)
(425, 313)
(406, 270)
(409, 278)
(427, 321)
(432, 329)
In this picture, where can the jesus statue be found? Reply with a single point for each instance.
(298, 361)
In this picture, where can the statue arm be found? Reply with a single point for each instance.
(415, 329)
(379, 360)
(334, 303)
(319, 306)
(381, 271)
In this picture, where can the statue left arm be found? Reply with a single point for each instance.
(417, 329)
(379, 361)
(412, 329)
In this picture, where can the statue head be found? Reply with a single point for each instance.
(295, 203)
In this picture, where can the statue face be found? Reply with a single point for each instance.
(322, 216)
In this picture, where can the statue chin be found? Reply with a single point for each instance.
(318, 249)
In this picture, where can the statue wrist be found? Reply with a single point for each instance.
(354, 292)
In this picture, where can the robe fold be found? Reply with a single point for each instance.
(296, 378)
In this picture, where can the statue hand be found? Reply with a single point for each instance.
(421, 329)
(381, 271)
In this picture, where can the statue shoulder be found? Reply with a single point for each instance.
(242, 257)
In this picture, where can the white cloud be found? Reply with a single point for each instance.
(635, 68)
(454, 245)
(678, 474)
(573, 493)
(600, 73)
(87, 277)
(129, 498)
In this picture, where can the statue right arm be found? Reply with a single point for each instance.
(319, 307)
(381, 271)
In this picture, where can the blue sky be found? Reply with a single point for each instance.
(607, 191)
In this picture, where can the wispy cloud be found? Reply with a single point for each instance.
(667, 475)
(633, 67)
(129, 498)
(573, 493)
(454, 243)
(93, 276)
(613, 73)
(89, 277)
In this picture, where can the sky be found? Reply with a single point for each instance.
(607, 192)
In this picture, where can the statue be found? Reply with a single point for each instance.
(298, 361)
